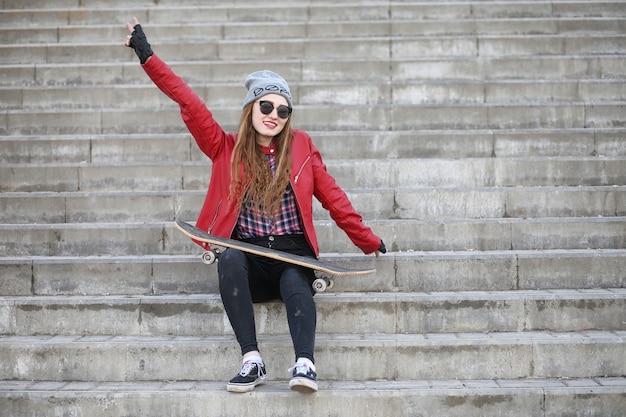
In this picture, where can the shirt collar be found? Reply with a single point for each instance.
(269, 150)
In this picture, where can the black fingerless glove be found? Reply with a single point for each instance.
(139, 43)
(382, 248)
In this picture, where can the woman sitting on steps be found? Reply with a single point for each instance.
(263, 180)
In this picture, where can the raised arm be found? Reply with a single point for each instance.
(197, 117)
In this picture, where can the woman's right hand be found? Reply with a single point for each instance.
(138, 41)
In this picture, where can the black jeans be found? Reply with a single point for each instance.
(246, 279)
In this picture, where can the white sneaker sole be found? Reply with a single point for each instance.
(242, 388)
(303, 385)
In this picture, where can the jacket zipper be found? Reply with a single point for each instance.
(297, 177)
(217, 212)
(295, 181)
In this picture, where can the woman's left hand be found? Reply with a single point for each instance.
(381, 249)
(138, 41)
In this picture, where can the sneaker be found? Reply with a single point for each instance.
(304, 378)
(251, 375)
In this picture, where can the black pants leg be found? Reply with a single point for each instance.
(296, 292)
(237, 297)
(246, 279)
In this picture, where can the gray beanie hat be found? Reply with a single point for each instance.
(261, 83)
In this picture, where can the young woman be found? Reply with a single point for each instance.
(263, 180)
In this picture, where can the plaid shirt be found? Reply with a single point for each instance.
(254, 223)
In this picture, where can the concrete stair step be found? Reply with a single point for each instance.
(158, 147)
(57, 33)
(530, 397)
(490, 234)
(527, 115)
(338, 313)
(510, 67)
(501, 202)
(413, 271)
(86, 16)
(478, 172)
(363, 173)
(374, 48)
(122, 239)
(74, 12)
(320, 93)
(379, 203)
(559, 67)
(338, 357)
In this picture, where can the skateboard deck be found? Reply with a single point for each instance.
(315, 264)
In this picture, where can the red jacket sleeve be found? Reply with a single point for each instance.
(214, 216)
(197, 117)
(336, 201)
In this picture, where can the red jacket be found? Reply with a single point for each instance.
(308, 173)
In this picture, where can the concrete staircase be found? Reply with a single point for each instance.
(485, 141)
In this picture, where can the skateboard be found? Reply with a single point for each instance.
(319, 285)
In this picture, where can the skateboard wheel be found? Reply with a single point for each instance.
(208, 257)
(319, 285)
(330, 284)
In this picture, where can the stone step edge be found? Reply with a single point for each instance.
(469, 398)
(170, 225)
(354, 190)
(312, 133)
(330, 256)
(192, 163)
(535, 295)
(173, 62)
(596, 385)
(323, 340)
(387, 106)
(321, 84)
(108, 7)
(310, 21)
(289, 3)
(351, 39)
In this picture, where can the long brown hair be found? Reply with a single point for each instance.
(249, 166)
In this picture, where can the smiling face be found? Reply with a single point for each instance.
(268, 125)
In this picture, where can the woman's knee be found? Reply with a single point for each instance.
(294, 281)
(231, 259)
(231, 255)
(232, 269)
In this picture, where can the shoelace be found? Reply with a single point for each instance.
(300, 368)
(247, 368)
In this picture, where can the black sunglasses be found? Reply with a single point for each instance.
(267, 107)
